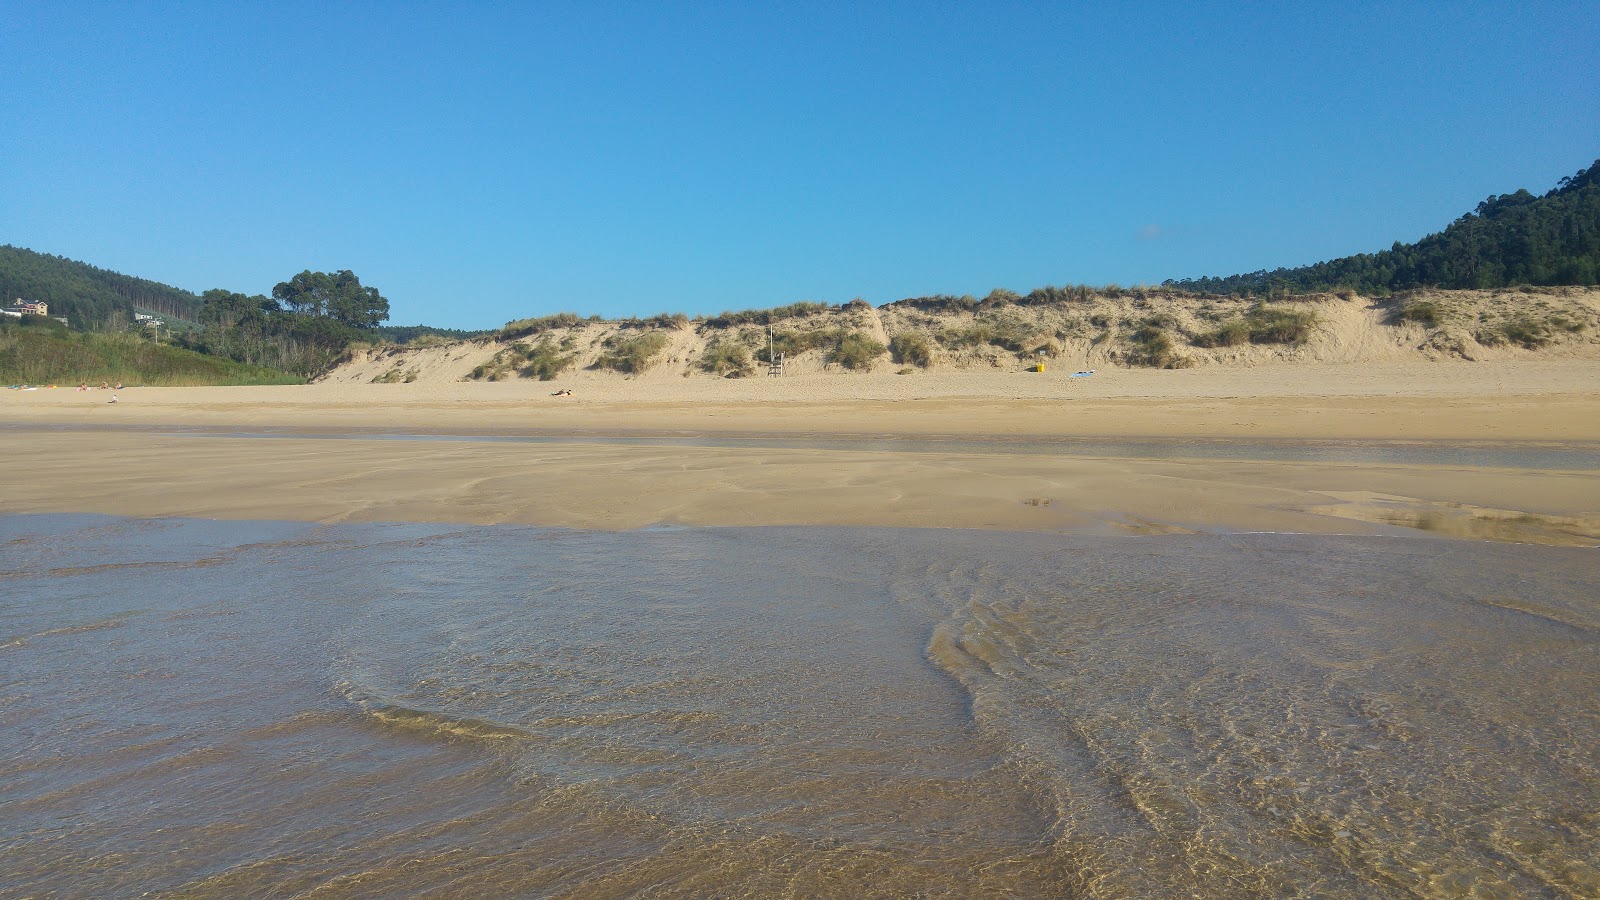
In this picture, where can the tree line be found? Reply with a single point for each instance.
(1509, 239)
(304, 327)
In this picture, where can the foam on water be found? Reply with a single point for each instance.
(222, 708)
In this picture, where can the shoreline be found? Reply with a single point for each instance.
(957, 450)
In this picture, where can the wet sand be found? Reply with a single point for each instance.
(922, 451)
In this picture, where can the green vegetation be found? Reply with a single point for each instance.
(842, 346)
(727, 358)
(326, 313)
(1422, 312)
(856, 351)
(1152, 346)
(632, 354)
(339, 296)
(396, 375)
(303, 329)
(1005, 335)
(1262, 324)
(1526, 331)
(544, 361)
(912, 347)
(665, 321)
(791, 343)
(1049, 295)
(768, 316)
(423, 335)
(43, 351)
(526, 327)
(257, 332)
(1508, 240)
(87, 296)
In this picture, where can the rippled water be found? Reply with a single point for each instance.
(219, 709)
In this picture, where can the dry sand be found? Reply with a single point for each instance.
(781, 460)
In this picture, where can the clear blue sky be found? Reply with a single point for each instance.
(484, 162)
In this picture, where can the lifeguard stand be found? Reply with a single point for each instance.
(774, 359)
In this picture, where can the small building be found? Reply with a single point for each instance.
(27, 309)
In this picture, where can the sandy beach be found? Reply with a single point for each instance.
(1263, 448)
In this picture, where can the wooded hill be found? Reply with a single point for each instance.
(86, 295)
(1508, 240)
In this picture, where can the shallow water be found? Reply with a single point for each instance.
(218, 709)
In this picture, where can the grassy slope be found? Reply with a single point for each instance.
(35, 354)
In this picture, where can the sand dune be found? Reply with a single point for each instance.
(1096, 334)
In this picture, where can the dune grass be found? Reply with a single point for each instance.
(1262, 324)
(632, 354)
(727, 358)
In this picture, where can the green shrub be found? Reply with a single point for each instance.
(767, 316)
(526, 327)
(857, 351)
(940, 303)
(979, 334)
(1261, 325)
(660, 320)
(545, 361)
(632, 355)
(911, 347)
(793, 342)
(1525, 332)
(1231, 334)
(1422, 312)
(727, 358)
(1275, 325)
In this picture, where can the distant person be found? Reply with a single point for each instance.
(113, 399)
(104, 386)
(118, 387)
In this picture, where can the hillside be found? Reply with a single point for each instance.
(1509, 239)
(43, 351)
(86, 295)
(1142, 328)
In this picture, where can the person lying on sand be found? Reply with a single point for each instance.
(561, 393)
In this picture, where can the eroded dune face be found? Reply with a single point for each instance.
(1142, 328)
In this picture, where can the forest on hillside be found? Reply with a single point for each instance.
(1510, 239)
(86, 295)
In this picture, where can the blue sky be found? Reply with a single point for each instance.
(485, 162)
